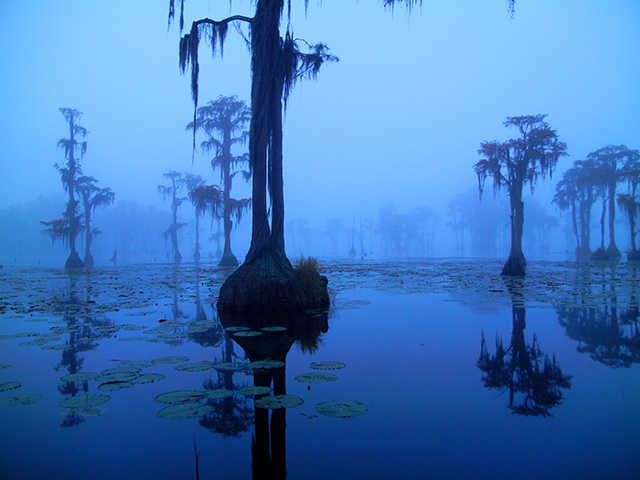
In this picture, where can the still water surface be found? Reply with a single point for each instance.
(454, 372)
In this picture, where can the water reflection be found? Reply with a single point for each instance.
(268, 446)
(84, 326)
(607, 333)
(534, 381)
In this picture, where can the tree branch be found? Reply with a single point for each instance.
(225, 21)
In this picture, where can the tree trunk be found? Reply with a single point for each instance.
(196, 252)
(612, 249)
(174, 227)
(266, 282)
(516, 263)
(88, 258)
(228, 258)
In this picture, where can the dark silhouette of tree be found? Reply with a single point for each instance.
(628, 202)
(68, 227)
(266, 280)
(192, 182)
(172, 194)
(538, 229)
(515, 163)
(608, 167)
(92, 197)
(480, 222)
(534, 380)
(577, 192)
(203, 198)
(223, 122)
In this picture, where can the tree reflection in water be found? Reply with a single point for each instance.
(84, 327)
(268, 447)
(609, 334)
(534, 380)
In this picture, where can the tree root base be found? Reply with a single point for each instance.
(268, 285)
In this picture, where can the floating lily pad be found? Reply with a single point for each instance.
(218, 393)
(233, 366)
(116, 375)
(247, 333)
(20, 400)
(137, 365)
(253, 391)
(114, 386)
(57, 347)
(9, 386)
(236, 329)
(273, 329)
(180, 396)
(147, 378)
(342, 409)
(183, 411)
(79, 377)
(327, 365)
(38, 342)
(316, 377)
(195, 367)
(266, 364)
(84, 401)
(279, 401)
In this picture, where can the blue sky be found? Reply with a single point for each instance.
(399, 118)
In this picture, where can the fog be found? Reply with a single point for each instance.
(395, 124)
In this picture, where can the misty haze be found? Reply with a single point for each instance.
(345, 239)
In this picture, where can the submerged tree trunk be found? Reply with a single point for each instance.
(266, 282)
(516, 263)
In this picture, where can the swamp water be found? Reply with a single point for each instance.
(423, 369)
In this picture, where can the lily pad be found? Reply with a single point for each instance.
(173, 359)
(247, 333)
(181, 396)
(236, 329)
(183, 411)
(273, 329)
(316, 377)
(233, 366)
(79, 377)
(195, 367)
(342, 409)
(114, 386)
(147, 378)
(9, 386)
(218, 393)
(266, 364)
(279, 401)
(20, 400)
(116, 375)
(253, 391)
(84, 401)
(135, 365)
(327, 365)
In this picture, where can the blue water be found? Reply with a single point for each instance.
(409, 334)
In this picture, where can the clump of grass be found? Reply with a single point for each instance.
(307, 268)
